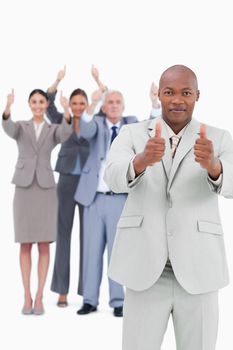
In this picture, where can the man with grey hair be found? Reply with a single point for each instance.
(102, 207)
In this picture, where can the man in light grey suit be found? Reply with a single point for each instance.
(169, 249)
(102, 206)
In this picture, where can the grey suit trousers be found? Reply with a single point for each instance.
(146, 315)
(66, 188)
(100, 222)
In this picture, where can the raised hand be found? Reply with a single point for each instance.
(61, 74)
(9, 102)
(95, 75)
(96, 96)
(65, 104)
(64, 101)
(10, 98)
(95, 99)
(153, 151)
(204, 154)
(154, 95)
(155, 147)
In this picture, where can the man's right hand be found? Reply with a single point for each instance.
(153, 151)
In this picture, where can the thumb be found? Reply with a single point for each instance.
(202, 131)
(158, 129)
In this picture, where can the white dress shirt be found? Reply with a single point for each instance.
(102, 186)
(38, 128)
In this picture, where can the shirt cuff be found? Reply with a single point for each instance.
(131, 175)
(87, 117)
(156, 112)
(216, 182)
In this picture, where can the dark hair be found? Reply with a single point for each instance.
(38, 91)
(79, 92)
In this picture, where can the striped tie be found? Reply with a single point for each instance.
(174, 143)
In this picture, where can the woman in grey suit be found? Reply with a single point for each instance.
(35, 200)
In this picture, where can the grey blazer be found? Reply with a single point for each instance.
(171, 211)
(97, 133)
(74, 146)
(34, 156)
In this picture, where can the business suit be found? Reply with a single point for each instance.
(35, 193)
(72, 150)
(171, 212)
(101, 212)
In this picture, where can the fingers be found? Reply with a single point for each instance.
(158, 129)
(202, 131)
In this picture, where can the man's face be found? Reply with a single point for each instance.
(178, 94)
(113, 107)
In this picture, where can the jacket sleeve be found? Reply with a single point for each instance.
(88, 127)
(11, 128)
(119, 161)
(52, 112)
(226, 157)
(63, 131)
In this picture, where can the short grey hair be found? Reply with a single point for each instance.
(111, 92)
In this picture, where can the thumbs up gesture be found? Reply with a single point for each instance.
(153, 151)
(204, 154)
(9, 102)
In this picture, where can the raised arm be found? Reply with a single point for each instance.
(60, 75)
(95, 75)
(52, 112)
(11, 128)
(155, 105)
(88, 126)
(65, 129)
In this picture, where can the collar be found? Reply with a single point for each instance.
(110, 125)
(171, 132)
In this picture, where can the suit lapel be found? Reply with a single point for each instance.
(106, 138)
(186, 144)
(167, 158)
(31, 131)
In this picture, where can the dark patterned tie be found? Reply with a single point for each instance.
(114, 132)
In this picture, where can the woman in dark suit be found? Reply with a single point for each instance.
(35, 199)
(71, 159)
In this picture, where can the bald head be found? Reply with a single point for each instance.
(174, 72)
(178, 93)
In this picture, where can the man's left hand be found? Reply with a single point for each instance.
(204, 155)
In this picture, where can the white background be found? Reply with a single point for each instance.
(131, 42)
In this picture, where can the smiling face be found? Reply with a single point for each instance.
(178, 94)
(78, 104)
(38, 104)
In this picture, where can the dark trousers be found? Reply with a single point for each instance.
(67, 185)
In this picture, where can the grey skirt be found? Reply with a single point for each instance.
(35, 214)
